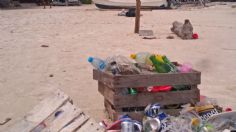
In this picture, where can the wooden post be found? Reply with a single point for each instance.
(137, 16)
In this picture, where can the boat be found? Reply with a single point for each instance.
(108, 4)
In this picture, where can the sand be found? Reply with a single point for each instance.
(74, 33)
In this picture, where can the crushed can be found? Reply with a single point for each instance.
(137, 126)
(127, 126)
(152, 110)
(151, 124)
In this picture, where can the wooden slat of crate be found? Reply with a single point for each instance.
(137, 115)
(143, 99)
(115, 114)
(90, 126)
(105, 78)
(164, 98)
(142, 80)
(107, 92)
(40, 112)
(77, 123)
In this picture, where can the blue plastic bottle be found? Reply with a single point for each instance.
(97, 63)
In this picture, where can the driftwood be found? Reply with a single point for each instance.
(184, 31)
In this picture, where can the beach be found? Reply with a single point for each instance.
(30, 72)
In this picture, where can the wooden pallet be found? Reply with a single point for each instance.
(56, 114)
(111, 88)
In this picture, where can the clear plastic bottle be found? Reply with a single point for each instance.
(97, 63)
(114, 68)
(142, 57)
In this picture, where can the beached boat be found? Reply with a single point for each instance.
(108, 4)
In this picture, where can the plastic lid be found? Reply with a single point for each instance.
(133, 56)
(102, 66)
(90, 59)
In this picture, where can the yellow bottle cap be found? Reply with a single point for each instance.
(133, 56)
(159, 58)
(195, 122)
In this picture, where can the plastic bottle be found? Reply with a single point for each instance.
(97, 63)
(142, 57)
(160, 67)
(132, 91)
(167, 61)
(159, 88)
(186, 67)
(114, 68)
(124, 65)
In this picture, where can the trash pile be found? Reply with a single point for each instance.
(142, 61)
(205, 116)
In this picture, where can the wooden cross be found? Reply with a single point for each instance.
(137, 16)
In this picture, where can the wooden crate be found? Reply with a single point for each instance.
(56, 113)
(111, 87)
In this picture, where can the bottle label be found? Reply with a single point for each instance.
(207, 113)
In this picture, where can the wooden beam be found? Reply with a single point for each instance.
(137, 16)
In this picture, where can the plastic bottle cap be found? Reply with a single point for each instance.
(133, 56)
(90, 59)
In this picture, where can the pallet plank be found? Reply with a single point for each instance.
(40, 112)
(76, 124)
(68, 113)
(91, 126)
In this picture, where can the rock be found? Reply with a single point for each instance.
(184, 31)
(44, 46)
(51, 75)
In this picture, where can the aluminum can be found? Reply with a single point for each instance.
(152, 110)
(137, 126)
(127, 126)
(151, 125)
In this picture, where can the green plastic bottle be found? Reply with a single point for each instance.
(167, 61)
(159, 66)
(132, 91)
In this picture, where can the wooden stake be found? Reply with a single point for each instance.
(137, 16)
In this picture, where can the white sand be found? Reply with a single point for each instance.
(74, 33)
